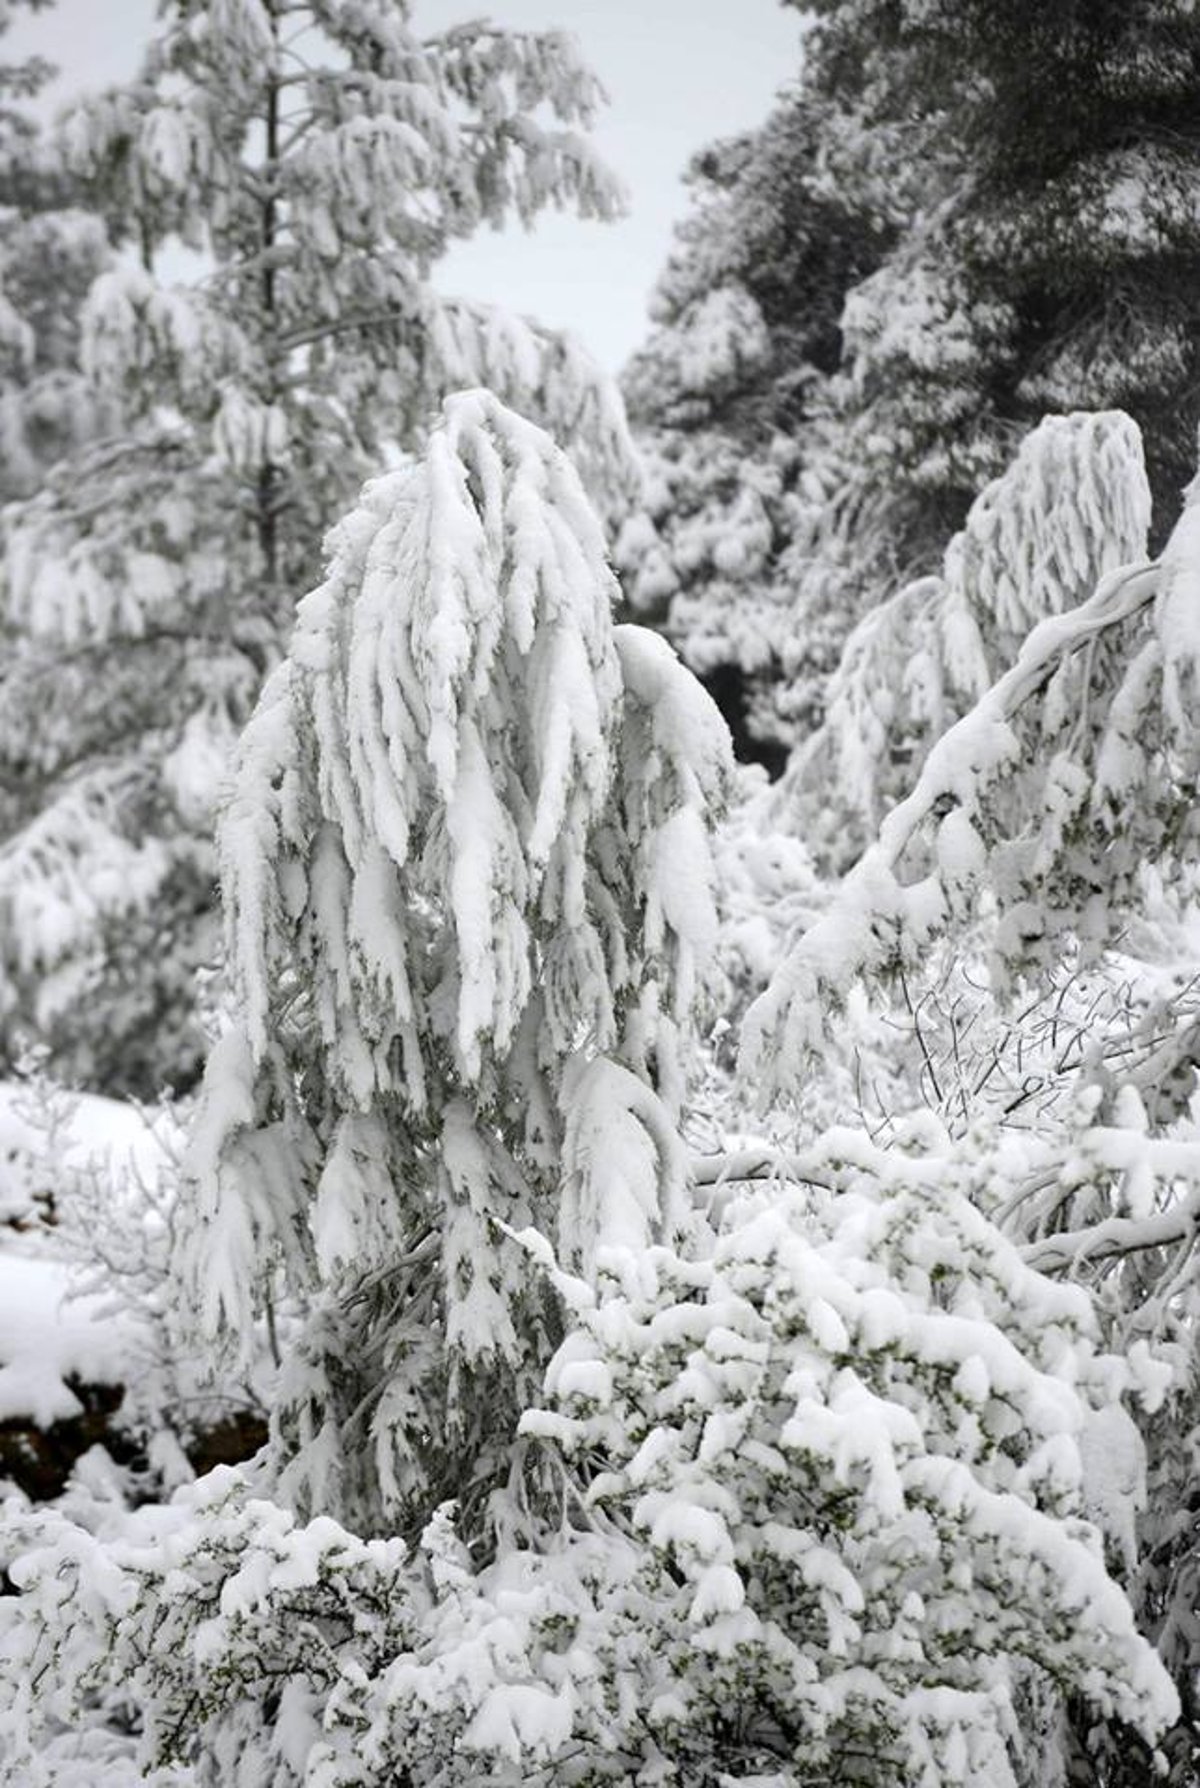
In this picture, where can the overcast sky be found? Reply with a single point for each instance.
(679, 73)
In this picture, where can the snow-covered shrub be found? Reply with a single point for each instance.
(848, 1444)
(818, 1515)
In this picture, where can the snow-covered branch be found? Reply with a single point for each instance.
(875, 917)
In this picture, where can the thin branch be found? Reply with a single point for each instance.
(303, 338)
(743, 1165)
(1116, 1236)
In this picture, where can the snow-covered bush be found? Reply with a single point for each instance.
(92, 1333)
(1047, 849)
(847, 1442)
(817, 1511)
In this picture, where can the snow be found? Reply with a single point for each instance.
(1113, 1472)
(48, 1335)
(76, 1133)
(520, 1720)
(858, 1403)
(1177, 617)
(48, 1332)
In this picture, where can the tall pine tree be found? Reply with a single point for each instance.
(320, 158)
(51, 249)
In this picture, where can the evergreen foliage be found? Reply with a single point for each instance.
(747, 321)
(805, 1488)
(992, 220)
(1074, 504)
(1071, 773)
(1033, 892)
(831, 1538)
(1051, 256)
(468, 888)
(50, 251)
(319, 158)
(633, 1418)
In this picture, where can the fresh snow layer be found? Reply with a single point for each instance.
(96, 1133)
(48, 1336)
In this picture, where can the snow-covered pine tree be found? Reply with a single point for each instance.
(468, 887)
(319, 159)
(1046, 260)
(962, 218)
(50, 252)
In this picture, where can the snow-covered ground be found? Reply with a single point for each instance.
(88, 1131)
(48, 1335)
(51, 1331)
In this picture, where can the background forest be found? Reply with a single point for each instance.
(600, 985)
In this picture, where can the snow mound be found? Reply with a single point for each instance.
(48, 1336)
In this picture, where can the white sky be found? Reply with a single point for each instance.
(679, 74)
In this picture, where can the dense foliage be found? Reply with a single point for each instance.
(51, 248)
(800, 1484)
(747, 327)
(967, 216)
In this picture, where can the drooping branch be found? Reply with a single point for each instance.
(872, 911)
